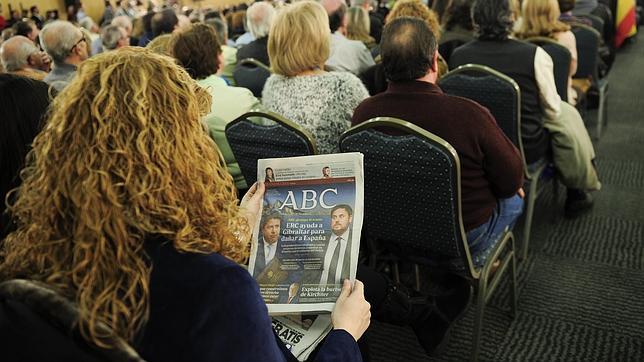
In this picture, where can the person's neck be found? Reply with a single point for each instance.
(316, 71)
(430, 77)
(75, 61)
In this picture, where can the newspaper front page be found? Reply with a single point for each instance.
(307, 241)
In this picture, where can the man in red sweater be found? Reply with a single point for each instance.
(491, 166)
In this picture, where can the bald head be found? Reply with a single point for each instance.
(337, 10)
(15, 53)
(331, 5)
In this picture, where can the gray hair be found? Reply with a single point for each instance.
(58, 38)
(87, 23)
(15, 52)
(220, 27)
(124, 22)
(110, 37)
(259, 18)
(361, 2)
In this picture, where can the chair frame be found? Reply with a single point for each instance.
(280, 121)
(540, 41)
(479, 278)
(600, 84)
(253, 62)
(531, 178)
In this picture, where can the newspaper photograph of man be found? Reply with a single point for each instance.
(337, 257)
(270, 229)
(326, 172)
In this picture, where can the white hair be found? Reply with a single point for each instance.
(110, 37)
(58, 38)
(259, 18)
(124, 22)
(15, 52)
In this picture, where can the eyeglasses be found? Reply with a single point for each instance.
(82, 39)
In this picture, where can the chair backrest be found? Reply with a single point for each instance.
(493, 90)
(273, 137)
(561, 59)
(587, 51)
(412, 189)
(38, 323)
(251, 74)
(596, 21)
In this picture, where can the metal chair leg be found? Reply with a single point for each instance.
(513, 279)
(417, 277)
(532, 197)
(481, 298)
(602, 109)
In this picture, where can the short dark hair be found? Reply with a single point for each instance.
(337, 17)
(271, 216)
(566, 5)
(407, 48)
(493, 19)
(23, 27)
(164, 22)
(197, 49)
(459, 14)
(346, 207)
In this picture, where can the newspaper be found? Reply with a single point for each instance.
(307, 241)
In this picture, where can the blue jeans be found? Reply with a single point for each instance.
(484, 238)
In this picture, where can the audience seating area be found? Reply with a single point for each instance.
(552, 288)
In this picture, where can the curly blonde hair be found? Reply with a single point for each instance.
(122, 160)
(416, 9)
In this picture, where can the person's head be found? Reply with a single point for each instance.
(124, 22)
(540, 18)
(88, 24)
(220, 27)
(163, 22)
(64, 42)
(161, 44)
(197, 50)
(23, 103)
(18, 53)
(566, 5)
(271, 225)
(408, 49)
(299, 39)
(358, 25)
(292, 289)
(27, 29)
(416, 9)
(459, 14)
(336, 11)
(493, 19)
(341, 218)
(34, 10)
(269, 173)
(326, 171)
(98, 188)
(259, 18)
(114, 37)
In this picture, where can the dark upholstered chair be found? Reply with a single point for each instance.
(416, 212)
(39, 324)
(501, 95)
(257, 135)
(251, 74)
(561, 59)
(587, 70)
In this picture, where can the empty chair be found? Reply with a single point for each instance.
(587, 70)
(416, 213)
(257, 135)
(251, 74)
(500, 94)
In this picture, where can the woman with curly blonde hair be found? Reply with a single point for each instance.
(126, 208)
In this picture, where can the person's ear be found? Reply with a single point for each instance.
(435, 62)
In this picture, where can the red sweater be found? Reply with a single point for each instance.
(491, 166)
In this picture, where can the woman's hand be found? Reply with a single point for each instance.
(251, 203)
(352, 312)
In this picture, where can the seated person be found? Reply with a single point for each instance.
(491, 167)
(345, 54)
(544, 117)
(299, 89)
(67, 47)
(20, 56)
(128, 211)
(198, 51)
(259, 18)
